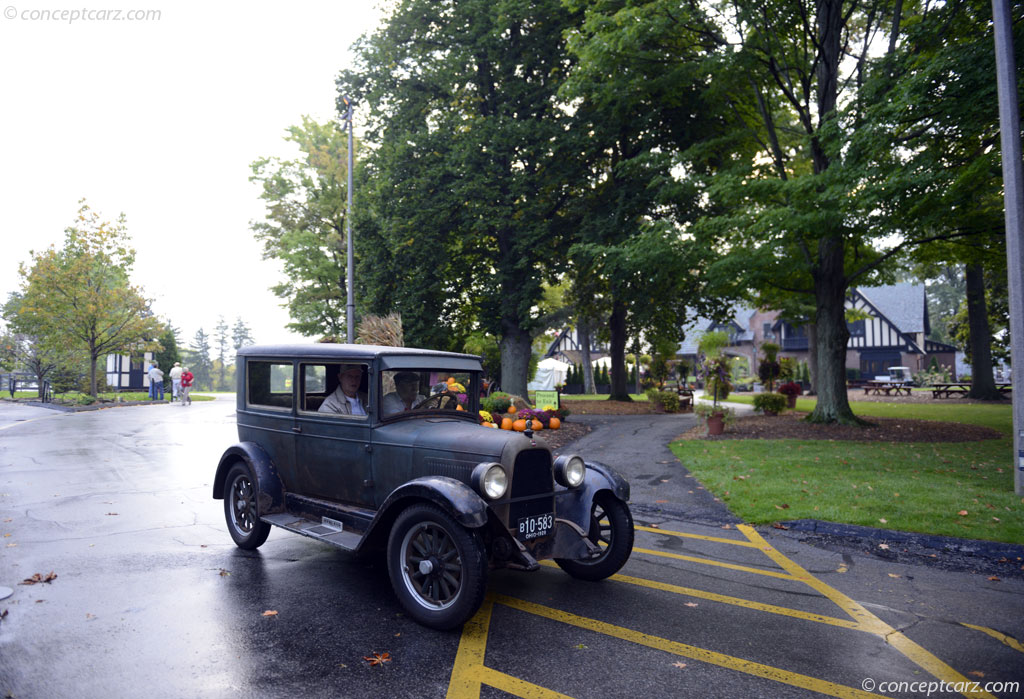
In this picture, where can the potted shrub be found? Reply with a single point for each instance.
(770, 403)
(716, 416)
(716, 373)
(791, 390)
(769, 369)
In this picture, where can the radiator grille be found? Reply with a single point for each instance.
(532, 479)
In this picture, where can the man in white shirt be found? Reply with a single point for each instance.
(175, 375)
(405, 396)
(156, 382)
(346, 399)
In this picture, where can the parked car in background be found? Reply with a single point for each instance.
(416, 476)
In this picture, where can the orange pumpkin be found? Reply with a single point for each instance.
(506, 423)
(554, 423)
(459, 407)
(519, 425)
(537, 425)
(512, 410)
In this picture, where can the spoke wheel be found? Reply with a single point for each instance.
(611, 528)
(244, 524)
(438, 568)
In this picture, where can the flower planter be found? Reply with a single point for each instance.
(791, 401)
(716, 423)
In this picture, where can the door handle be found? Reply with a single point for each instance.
(296, 428)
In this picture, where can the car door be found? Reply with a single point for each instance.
(332, 450)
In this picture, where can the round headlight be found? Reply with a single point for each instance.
(495, 482)
(490, 480)
(570, 471)
(574, 471)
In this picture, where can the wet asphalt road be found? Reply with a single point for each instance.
(152, 598)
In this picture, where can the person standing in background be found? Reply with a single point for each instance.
(175, 374)
(186, 386)
(156, 382)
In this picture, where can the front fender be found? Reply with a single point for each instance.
(574, 504)
(271, 492)
(456, 498)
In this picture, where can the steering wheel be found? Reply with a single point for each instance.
(446, 400)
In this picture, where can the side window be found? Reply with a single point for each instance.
(270, 384)
(313, 390)
(337, 389)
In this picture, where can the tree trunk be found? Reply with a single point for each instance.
(617, 328)
(833, 406)
(516, 349)
(812, 357)
(92, 374)
(983, 385)
(583, 335)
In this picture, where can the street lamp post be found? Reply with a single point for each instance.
(350, 308)
(1013, 197)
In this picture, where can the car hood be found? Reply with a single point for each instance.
(457, 437)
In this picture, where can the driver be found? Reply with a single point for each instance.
(405, 395)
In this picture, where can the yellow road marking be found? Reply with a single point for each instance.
(868, 621)
(465, 681)
(687, 651)
(735, 601)
(31, 419)
(716, 539)
(1001, 637)
(720, 564)
(516, 686)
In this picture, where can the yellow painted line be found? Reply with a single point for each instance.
(1001, 637)
(868, 621)
(469, 659)
(716, 539)
(31, 419)
(735, 601)
(687, 651)
(518, 687)
(720, 564)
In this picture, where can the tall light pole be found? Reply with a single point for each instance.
(350, 308)
(1013, 197)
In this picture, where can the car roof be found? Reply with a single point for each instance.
(330, 350)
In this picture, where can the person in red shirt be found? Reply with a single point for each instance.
(186, 386)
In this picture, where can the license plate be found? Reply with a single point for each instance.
(536, 526)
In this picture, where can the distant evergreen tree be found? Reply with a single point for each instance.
(222, 338)
(199, 360)
(241, 335)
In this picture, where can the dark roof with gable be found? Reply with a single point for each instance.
(696, 328)
(903, 304)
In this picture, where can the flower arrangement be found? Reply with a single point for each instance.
(790, 389)
(486, 416)
(716, 373)
(705, 410)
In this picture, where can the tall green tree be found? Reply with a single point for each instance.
(473, 159)
(241, 334)
(80, 296)
(222, 339)
(199, 361)
(304, 226)
(168, 353)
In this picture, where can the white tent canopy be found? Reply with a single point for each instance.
(550, 372)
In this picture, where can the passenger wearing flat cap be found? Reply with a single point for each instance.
(406, 394)
(347, 399)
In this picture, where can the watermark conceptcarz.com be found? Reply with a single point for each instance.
(81, 14)
(930, 687)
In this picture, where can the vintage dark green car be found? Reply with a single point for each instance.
(379, 448)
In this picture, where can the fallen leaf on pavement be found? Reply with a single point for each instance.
(3, 614)
(893, 575)
(653, 526)
(224, 573)
(111, 514)
(691, 604)
(270, 612)
(378, 658)
(659, 502)
(679, 665)
(842, 569)
(883, 546)
(976, 673)
(993, 578)
(778, 525)
(39, 578)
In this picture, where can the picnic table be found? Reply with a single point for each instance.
(886, 387)
(948, 390)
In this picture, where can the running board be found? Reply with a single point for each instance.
(328, 530)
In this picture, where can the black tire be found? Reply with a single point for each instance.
(438, 568)
(244, 524)
(615, 538)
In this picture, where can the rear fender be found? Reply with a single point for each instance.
(574, 504)
(268, 483)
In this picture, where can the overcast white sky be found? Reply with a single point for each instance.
(160, 119)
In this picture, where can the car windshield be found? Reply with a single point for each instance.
(405, 391)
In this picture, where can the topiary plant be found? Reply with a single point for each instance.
(770, 403)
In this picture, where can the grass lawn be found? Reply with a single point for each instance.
(906, 486)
